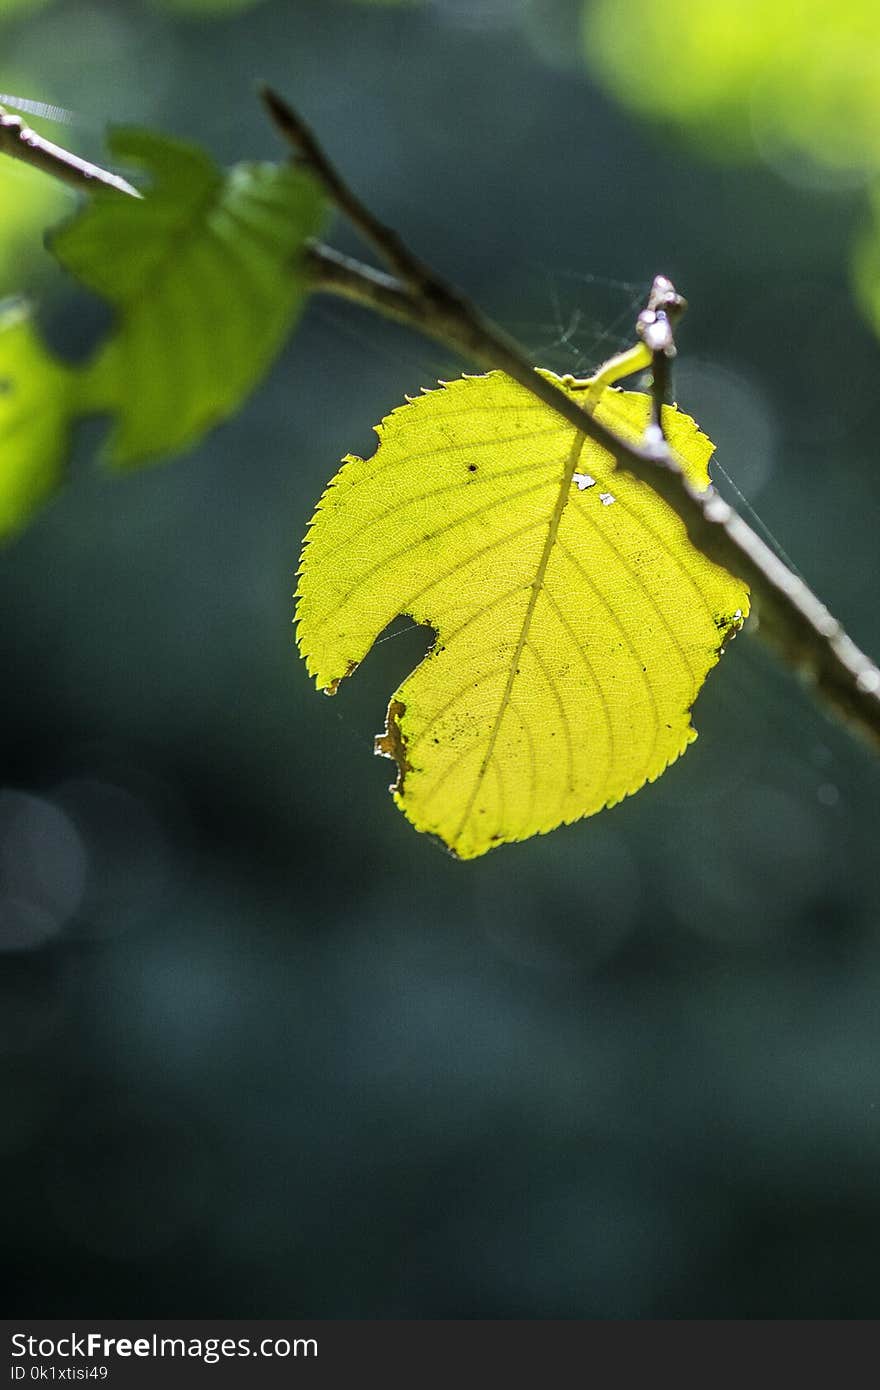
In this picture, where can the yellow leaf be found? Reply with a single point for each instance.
(575, 622)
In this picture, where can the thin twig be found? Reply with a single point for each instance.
(18, 140)
(655, 328)
(308, 151)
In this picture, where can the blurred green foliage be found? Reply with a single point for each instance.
(8, 8)
(205, 8)
(785, 76)
(30, 202)
(866, 264)
(794, 83)
(197, 9)
(35, 395)
(204, 277)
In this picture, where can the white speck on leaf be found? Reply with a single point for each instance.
(583, 481)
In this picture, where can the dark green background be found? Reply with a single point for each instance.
(270, 1053)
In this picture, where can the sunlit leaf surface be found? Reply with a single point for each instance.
(575, 622)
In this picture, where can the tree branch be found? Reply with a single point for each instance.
(20, 142)
(308, 152)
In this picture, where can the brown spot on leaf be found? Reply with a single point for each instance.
(392, 744)
(728, 625)
(350, 669)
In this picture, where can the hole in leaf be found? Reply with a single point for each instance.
(362, 699)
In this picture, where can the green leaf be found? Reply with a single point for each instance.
(36, 395)
(575, 622)
(207, 279)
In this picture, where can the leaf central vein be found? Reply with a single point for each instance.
(537, 585)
